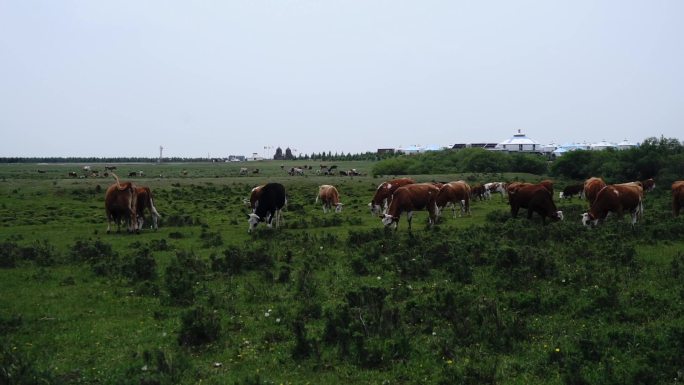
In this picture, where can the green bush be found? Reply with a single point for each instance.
(199, 326)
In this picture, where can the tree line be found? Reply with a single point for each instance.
(661, 158)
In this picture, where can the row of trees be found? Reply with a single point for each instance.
(661, 158)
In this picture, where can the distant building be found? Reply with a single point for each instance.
(255, 156)
(486, 146)
(626, 145)
(382, 151)
(603, 145)
(519, 143)
(236, 158)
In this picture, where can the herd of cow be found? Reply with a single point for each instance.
(126, 202)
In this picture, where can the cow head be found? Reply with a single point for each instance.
(375, 209)
(388, 219)
(559, 214)
(253, 221)
(338, 207)
(588, 219)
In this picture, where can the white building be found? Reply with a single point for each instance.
(626, 145)
(519, 143)
(602, 145)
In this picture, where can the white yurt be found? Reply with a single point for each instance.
(602, 145)
(626, 145)
(519, 142)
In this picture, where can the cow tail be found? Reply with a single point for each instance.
(117, 181)
(316, 201)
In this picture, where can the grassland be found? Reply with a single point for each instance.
(328, 298)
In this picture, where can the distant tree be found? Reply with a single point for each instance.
(279, 154)
(288, 154)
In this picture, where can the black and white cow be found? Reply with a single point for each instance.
(270, 203)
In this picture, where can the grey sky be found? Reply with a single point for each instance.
(104, 78)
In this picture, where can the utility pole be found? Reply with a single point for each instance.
(161, 148)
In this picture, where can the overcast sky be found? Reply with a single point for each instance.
(121, 78)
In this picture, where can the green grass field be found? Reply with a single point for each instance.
(327, 298)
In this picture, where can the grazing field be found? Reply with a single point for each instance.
(327, 298)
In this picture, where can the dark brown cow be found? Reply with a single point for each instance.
(454, 193)
(648, 184)
(616, 199)
(677, 197)
(479, 191)
(409, 198)
(592, 186)
(536, 199)
(572, 190)
(144, 201)
(384, 193)
(120, 205)
(329, 197)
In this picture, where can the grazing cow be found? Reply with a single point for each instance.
(254, 197)
(535, 198)
(243, 170)
(343, 173)
(648, 184)
(133, 173)
(271, 200)
(677, 197)
(255, 171)
(353, 172)
(121, 204)
(616, 199)
(329, 197)
(384, 193)
(572, 190)
(110, 168)
(496, 188)
(73, 174)
(592, 186)
(409, 198)
(296, 171)
(479, 191)
(144, 201)
(453, 193)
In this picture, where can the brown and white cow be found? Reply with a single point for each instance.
(496, 188)
(144, 202)
(254, 197)
(572, 190)
(453, 193)
(677, 197)
(536, 198)
(384, 193)
(410, 198)
(648, 184)
(616, 199)
(592, 186)
(120, 205)
(329, 197)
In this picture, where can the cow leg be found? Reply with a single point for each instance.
(409, 216)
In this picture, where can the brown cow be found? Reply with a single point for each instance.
(120, 205)
(409, 198)
(648, 184)
(479, 191)
(384, 193)
(677, 197)
(329, 197)
(616, 199)
(453, 193)
(592, 186)
(144, 201)
(535, 198)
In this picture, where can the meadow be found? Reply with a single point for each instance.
(327, 298)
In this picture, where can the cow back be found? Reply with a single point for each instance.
(592, 186)
(386, 189)
(272, 198)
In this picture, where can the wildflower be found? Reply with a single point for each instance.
(557, 350)
(450, 362)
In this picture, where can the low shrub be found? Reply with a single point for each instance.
(199, 326)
